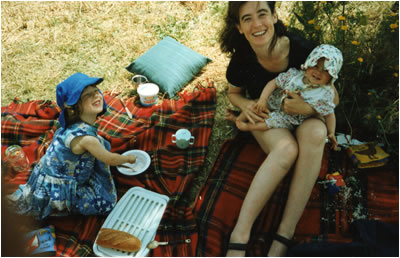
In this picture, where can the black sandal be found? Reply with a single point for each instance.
(288, 242)
(237, 246)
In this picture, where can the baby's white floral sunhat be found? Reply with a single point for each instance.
(333, 59)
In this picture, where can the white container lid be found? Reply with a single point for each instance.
(148, 89)
(138, 212)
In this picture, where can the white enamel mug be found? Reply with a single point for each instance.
(183, 138)
(139, 79)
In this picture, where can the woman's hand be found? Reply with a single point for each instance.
(294, 104)
(246, 105)
(252, 114)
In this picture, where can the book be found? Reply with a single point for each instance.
(368, 155)
(41, 242)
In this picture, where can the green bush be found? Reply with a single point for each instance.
(368, 35)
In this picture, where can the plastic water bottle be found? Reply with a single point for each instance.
(16, 158)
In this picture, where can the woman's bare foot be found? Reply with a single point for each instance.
(280, 245)
(237, 243)
(277, 249)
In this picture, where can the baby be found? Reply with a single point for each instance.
(314, 83)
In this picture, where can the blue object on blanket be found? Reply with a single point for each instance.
(41, 242)
(169, 64)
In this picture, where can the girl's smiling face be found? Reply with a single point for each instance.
(257, 23)
(91, 101)
(317, 75)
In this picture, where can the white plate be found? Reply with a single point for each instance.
(138, 212)
(142, 163)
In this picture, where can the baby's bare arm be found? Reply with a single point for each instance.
(261, 105)
(331, 125)
(267, 91)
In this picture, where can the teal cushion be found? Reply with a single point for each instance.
(169, 64)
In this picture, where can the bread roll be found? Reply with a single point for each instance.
(111, 238)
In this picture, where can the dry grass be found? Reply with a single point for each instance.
(45, 42)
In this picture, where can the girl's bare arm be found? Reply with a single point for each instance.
(91, 144)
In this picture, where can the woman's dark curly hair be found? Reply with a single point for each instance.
(230, 38)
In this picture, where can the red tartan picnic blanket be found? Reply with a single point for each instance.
(33, 124)
(369, 194)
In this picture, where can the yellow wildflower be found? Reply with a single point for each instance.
(341, 18)
(317, 27)
(344, 27)
(393, 14)
(360, 59)
(379, 117)
(393, 26)
(323, 2)
(369, 93)
(396, 75)
(311, 21)
(355, 43)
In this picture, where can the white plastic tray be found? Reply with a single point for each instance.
(139, 213)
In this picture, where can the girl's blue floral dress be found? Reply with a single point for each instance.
(64, 183)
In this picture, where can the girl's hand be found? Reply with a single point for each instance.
(251, 115)
(131, 158)
(294, 104)
(333, 141)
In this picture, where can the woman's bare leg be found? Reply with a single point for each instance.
(247, 126)
(282, 149)
(311, 137)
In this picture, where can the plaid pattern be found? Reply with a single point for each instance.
(371, 194)
(33, 124)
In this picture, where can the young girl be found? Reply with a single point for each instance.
(313, 83)
(73, 177)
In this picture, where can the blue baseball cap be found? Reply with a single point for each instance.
(69, 92)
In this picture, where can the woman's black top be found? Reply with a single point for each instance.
(246, 72)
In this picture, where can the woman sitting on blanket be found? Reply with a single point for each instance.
(260, 49)
(73, 177)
